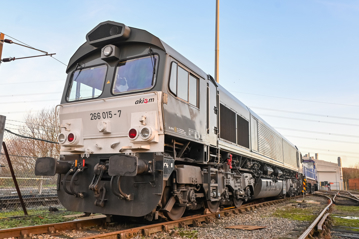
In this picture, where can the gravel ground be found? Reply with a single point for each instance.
(275, 227)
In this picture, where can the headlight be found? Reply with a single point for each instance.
(145, 133)
(107, 50)
(61, 138)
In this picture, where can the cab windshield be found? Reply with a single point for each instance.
(135, 75)
(87, 83)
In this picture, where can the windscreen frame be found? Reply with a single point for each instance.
(70, 82)
(154, 77)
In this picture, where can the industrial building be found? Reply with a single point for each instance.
(329, 175)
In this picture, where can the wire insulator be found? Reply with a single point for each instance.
(8, 41)
(8, 59)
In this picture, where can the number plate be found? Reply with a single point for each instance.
(105, 115)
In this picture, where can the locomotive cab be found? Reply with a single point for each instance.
(112, 125)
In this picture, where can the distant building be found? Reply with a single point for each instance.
(328, 174)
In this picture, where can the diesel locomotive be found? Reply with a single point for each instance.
(147, 133)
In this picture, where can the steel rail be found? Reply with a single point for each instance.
(352, 195)
(316, 221)
(351, 198)
(28, 232)
(195, 220)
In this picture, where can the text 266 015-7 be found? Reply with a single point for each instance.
(104, 115)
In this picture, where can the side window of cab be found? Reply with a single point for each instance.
(183, 84)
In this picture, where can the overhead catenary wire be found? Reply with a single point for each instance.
(329, 150)
(338, 155)
(18, 102)
(32, 47)
(43, 93)
(335, 141)
(18, 112)
(303, 113)
(34, 126)
(30, 82)
(279, 97)
(23, 123)
(317, 132)
(318, 121)
(26, 137)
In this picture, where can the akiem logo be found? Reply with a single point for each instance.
(145, 101)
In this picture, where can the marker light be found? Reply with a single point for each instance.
(145, 133)
(61, 138)
(132, 133)
(107, 50)
(71, 137)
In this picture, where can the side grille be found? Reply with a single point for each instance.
(269, 143)
(290, 154)
(228, 124)
(242, 132)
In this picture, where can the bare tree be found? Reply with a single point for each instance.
(43, 125)
(25, 150)
(350, 173)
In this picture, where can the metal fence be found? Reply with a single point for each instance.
(325, 186)
(38, 193)
(353, 184)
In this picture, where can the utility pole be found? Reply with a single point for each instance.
(217, 43)
(2, 131)
(2, 126)
(2, 37)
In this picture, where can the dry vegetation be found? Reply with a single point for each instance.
(24, 151)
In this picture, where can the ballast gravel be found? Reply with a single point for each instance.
(275, 227)
(281, 228)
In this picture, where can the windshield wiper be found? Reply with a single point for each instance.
(153, 60)
(77, 67)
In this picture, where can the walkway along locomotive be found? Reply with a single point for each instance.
(146, 133)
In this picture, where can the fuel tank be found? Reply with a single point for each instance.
(267, 188)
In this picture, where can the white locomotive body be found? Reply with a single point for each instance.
(145, 132)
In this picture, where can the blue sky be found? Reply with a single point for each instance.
(271, 52)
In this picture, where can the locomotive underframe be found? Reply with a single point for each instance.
(177, 178)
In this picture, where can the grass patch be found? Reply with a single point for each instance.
(345, 222)
(188, 233)
(35, 217)
(351, 209)
(340, 210)
(299, 214)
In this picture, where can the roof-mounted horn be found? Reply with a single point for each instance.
(108, 32)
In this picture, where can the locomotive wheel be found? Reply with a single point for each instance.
(176, 211)
(212, 206)
(237, 202)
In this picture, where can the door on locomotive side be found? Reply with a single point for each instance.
(212, 111)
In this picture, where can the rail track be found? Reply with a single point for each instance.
(11, 202)
(342, 197)
(195, 220)
(321, 224)
(55, 228)
(320, 227)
